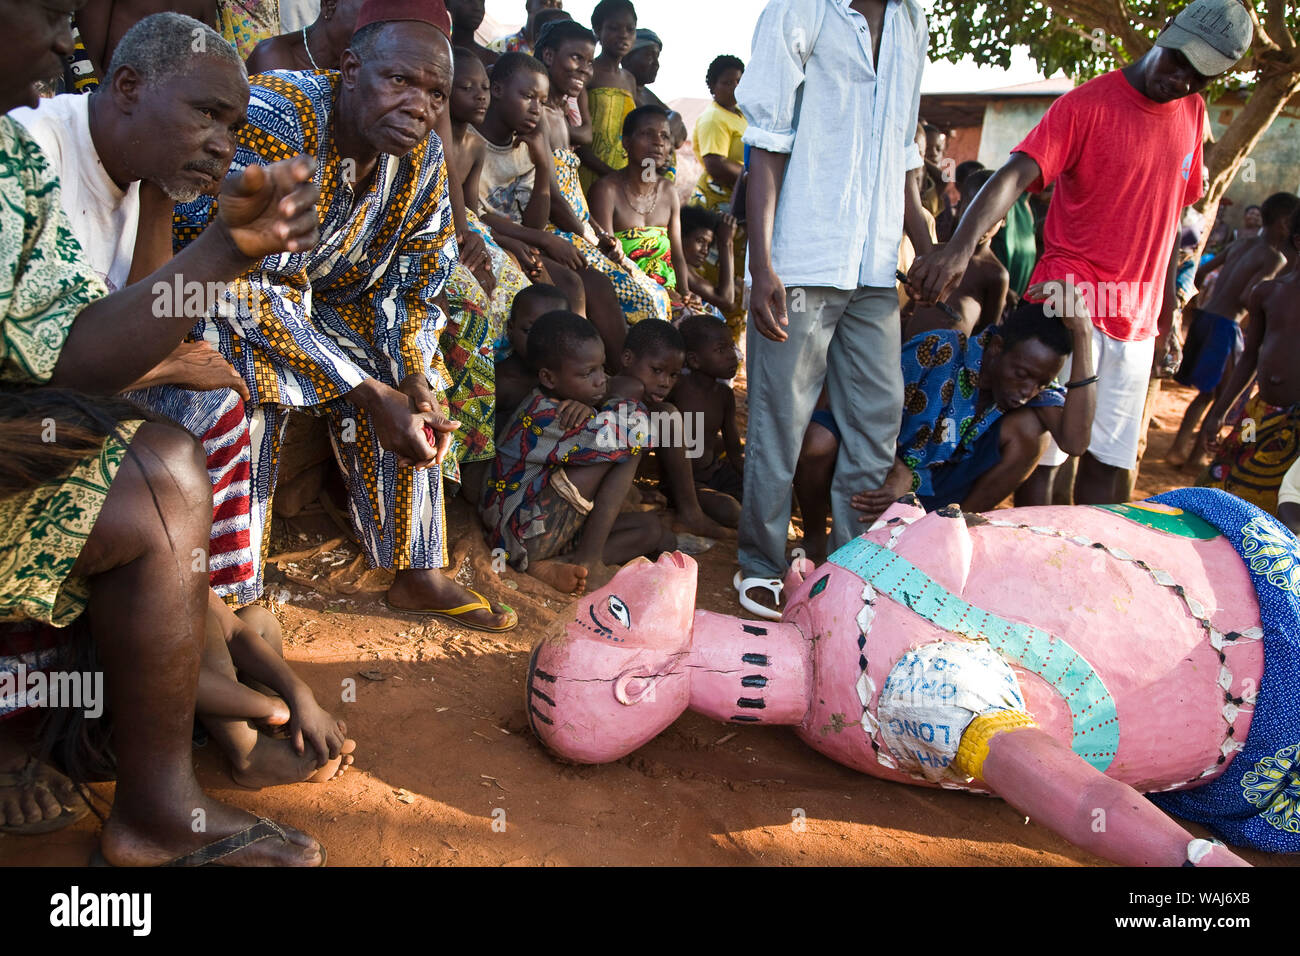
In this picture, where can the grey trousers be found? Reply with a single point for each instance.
(851, 342)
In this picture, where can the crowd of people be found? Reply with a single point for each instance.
(468, 263)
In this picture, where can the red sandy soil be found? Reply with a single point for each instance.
(444, 751)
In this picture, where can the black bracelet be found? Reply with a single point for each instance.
(1082, 382)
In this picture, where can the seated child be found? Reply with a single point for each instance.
(505, 151)
(243, 682)
(468, 103)
(515, 379)
(639, 206)
(715, 284)
(978, 300)
(552, 498)
(564, 47)
(653, 356)
(710, 356)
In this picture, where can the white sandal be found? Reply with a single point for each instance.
(742, 587)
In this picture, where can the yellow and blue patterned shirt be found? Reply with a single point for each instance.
(306, 328)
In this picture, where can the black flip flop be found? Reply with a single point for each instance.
(213, 853)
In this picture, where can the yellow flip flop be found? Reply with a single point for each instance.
(456, 615)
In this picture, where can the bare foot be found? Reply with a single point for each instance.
(168, 833)
(1179, 452)
(599, 574)
(37, 798)
(704, 526)
(564, 577)
(273, 762)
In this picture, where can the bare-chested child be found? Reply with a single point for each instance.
(982, 292)
(701, 228)
(244, 682)
(638, 205)
(553, 497)
(653, 356)
(471, 94)
(710, 356)
(515, 378)
(566, 49)
(1253, 460)
(515, 186)
(1214, 334)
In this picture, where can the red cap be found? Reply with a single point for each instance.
(426, 11)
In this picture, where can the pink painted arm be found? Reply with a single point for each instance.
(1050, 783)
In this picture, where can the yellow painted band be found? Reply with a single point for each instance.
(974, 747)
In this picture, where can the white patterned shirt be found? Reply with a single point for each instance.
(812, 91)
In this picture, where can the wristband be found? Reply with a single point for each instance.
(1082, 382)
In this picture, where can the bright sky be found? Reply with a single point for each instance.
(695, 31)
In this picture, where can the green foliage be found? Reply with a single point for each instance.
(1081, 39)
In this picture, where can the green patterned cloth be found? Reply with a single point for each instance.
(651, 250)
(44, 283)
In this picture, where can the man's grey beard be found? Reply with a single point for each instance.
(180, 194)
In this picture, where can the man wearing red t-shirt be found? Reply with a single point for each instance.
(1124, 151)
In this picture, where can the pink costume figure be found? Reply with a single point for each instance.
(1067, 659)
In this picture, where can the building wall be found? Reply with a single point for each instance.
(1005, 124)
(1276, 156)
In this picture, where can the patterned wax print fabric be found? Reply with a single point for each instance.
(217, 419)
(941, 421)
(45, 282)
(608, 106)
(510, 281)
(79, 74)
(467, 348)
(529, 452)
(652, 251)
(1256, 801)
(43, 531)
(246, 23)
(1254, 458)
(305, 329)
(639, 295)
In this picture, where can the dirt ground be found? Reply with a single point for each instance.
(448, 773)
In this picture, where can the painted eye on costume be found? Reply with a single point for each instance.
(620, 612)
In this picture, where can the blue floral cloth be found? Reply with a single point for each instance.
(941, 371)
(1256, 803)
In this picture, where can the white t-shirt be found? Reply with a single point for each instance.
(104, 217)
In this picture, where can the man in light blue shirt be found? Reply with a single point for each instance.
(831, 97)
